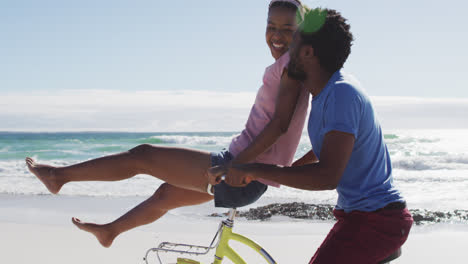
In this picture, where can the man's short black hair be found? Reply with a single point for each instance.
(331, 41)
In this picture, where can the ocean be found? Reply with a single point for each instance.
(430, 167)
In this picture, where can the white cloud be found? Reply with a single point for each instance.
(417, 112)
(104, 110)
(87, 101)
(125, 111)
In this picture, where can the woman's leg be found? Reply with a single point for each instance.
(167, 197)
(183, 168)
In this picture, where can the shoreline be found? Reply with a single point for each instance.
(38, 229)
(19, 208)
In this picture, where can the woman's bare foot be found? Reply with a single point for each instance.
(103, 235)
(45, 174)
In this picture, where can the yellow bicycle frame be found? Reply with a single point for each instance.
(222, 247)
(224, 250)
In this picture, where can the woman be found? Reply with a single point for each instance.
(271, 127)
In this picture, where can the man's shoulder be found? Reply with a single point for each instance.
(347, 86)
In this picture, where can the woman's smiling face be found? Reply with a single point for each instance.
(281, 26)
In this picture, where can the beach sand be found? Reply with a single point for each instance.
(38, 229)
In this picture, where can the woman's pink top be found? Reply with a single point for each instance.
(283, 150)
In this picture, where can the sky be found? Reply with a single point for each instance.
(152, 65)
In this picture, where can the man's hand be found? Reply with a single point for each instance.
(238, 176)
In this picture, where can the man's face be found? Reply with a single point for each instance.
(295, 66)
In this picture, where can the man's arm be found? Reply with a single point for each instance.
(324, 175)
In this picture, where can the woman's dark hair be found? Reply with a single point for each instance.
(331, 42)
(288, 5)
(285, 4)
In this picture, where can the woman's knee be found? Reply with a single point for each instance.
(162, 197)
(163, 191)
(145, 156)
(169, 197)
(142, 149)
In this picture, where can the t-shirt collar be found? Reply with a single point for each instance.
(329, 84)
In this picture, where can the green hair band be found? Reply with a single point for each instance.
(314, 20)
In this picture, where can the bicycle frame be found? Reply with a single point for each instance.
(224, 235)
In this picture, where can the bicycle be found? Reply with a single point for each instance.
(220, 242)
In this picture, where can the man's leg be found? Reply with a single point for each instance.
(364, 237)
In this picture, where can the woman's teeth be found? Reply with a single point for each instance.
(278, 46)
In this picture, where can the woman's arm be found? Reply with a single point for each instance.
(324, 175)
(308, 158)
(285, 106)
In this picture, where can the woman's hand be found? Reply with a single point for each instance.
(214, 174)
(236, 175)
(308, 158)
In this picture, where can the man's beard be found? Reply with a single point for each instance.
(295, 72)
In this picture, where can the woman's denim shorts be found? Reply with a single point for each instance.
(233, 197)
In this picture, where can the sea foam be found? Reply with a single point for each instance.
(425, 164)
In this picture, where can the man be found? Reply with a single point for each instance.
(372, 219)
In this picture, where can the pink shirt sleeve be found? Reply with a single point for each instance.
(283, 150)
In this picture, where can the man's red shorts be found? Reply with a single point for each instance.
(364, 237)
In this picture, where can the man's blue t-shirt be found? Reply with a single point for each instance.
(367, 182)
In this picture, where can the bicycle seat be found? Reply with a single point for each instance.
(392, 256)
